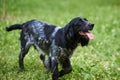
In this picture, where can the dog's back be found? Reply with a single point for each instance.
(36, 33)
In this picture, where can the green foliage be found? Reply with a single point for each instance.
(100, 60)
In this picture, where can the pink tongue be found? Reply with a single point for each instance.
(90, 35)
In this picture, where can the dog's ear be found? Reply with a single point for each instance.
(69, 32)
(70, 28)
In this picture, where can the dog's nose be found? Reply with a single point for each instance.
(91, 25)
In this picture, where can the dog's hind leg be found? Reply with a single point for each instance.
(21, 58)
(25, 45)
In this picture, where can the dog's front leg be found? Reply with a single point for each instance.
(66, 67)
(54, 68)
(53, 57)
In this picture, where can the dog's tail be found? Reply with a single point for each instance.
(14, 27)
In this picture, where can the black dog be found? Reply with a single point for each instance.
(55, 42)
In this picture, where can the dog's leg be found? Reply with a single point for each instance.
(42, 57)
(45, 62)
(21, 58)
(54, 68)
(24, 50)
(66, 67)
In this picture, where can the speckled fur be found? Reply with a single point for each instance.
(55, 42)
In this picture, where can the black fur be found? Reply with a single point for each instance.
(57, 43)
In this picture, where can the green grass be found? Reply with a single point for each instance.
(100, 60)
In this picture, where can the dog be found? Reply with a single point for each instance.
(55, 44)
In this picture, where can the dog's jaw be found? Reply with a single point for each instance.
(88, 34)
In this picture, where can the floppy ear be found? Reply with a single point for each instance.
(69, 33)
(69, 28)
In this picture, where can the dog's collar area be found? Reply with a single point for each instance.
(90, 35)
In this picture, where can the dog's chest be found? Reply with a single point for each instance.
(66, 53)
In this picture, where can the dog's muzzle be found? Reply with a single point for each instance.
(90, 35)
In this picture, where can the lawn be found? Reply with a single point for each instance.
(100, 60)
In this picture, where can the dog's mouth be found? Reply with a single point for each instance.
(88, 34)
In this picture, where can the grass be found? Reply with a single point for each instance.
(100, 60)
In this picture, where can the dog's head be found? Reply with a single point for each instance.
(80, 27)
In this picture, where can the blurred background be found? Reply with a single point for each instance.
(100, 60)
